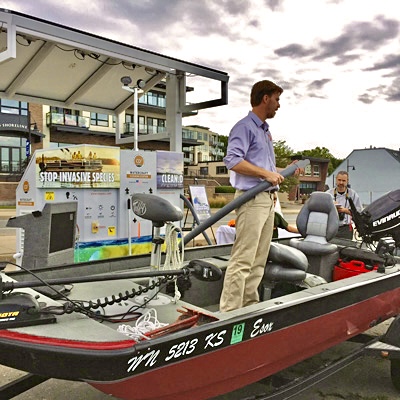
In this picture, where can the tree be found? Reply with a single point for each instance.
(323, 152)
(283, 154)
(224, 140)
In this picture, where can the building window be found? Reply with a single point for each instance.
(98, 119)
(155, 125)
(307, 170)
(307, 188)
(142, 125)
(188, 134)
(14, 107)
(154, 99)
(222, 170)
(204, 171)
(66, 116)
(13, 155)
(315, 170)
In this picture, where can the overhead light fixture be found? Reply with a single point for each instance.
(126, 80)
(140, 83)
(128, 65)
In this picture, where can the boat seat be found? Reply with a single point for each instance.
(318, 223)
(155, 208)
(284, 264)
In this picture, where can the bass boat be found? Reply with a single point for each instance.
(149, 327)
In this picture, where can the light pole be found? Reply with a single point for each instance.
(350, 166)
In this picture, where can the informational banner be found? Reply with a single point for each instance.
(200, 203)
(82, 166)
(169, 170)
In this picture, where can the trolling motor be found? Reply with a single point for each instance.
(159, 211)
(20, 309)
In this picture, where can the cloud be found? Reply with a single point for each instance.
(360, 36)
(390, 61)
(390, 93)
(356, 36)
(294, 50)
(331, 56)
(318, 84)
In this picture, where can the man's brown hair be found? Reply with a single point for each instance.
(262, 88)
(343, 173)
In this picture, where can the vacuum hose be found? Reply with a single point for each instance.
(246, 196)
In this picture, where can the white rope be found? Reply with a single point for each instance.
(174, 257)
(145, 323)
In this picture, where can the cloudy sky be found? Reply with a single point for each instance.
(337, 60)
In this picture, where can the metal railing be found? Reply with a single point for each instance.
(67, 119)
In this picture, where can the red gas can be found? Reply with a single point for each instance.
(346, 269)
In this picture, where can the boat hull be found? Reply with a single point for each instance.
(216, 357)
(239, 365)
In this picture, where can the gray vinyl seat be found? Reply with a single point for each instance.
(318, 223)
(285, 264)
(155, 209)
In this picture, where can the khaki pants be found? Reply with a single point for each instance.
(254, 227)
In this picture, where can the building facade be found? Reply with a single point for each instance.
(373, 172)
(26, 127)
(312, 179)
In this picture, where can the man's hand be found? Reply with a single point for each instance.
(298, 170)
(246, 168)
(275, 178)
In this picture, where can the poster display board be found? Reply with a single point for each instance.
(200, 203)
(82, 166)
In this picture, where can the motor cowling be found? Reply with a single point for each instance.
(380, 219)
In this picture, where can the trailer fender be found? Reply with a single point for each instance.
(392, 335)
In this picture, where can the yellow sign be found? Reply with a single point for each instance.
(111, 231)
(49, 196)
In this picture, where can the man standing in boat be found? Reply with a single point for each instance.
(342, 194)
(250, 158)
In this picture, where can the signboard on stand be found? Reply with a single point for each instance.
(200, 203)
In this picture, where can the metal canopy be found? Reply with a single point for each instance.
(47, 63)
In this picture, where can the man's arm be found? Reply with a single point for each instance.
(246, 168)
(281, 222)
(292, 229)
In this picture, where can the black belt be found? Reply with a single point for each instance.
(267, 191)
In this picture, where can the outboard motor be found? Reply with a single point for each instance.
(380, 219)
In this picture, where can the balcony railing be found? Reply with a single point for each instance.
(143, 129)
(216, 144)
(67, 119)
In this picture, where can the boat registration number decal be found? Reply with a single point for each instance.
(196, 344)
(237, 333)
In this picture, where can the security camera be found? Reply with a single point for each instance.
(126, 80)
